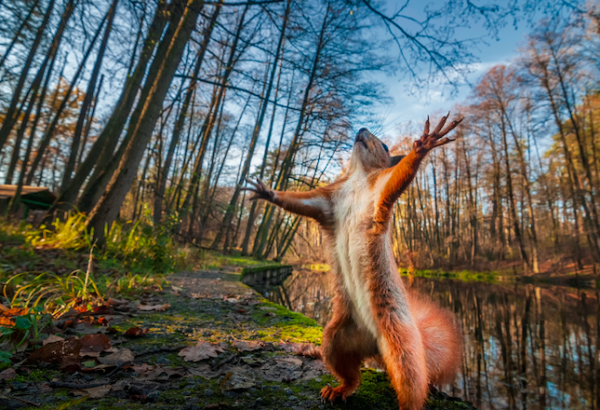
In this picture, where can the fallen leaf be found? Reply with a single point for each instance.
(135, 332)
(57, 351)
(2, 307)
(8, 374)
(266, 308)
(203, 350)
(93, 345)
(248, 345)
(6, 321)
(95, 368)
(161, 373)
(93, 392)
(119, 358)
(52, 339)
(204, 371)
(156, 308)
(102, 310)
(142, 369)
(290, 363)
(15, 312)
(70, 364)
(240, 378)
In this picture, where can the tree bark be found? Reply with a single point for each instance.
(50, 130)
(162, 177)
(87, 101)
(104, 146)
(258, 126)
(11, 114)
(105, 212)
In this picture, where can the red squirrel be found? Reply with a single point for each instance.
(374, 316)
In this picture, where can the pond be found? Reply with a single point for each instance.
(526, 346)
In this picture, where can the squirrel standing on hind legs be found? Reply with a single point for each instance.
(373, 314)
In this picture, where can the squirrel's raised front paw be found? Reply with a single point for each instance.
(260, 190)
(428, 141)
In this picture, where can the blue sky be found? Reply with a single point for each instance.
(416, 107)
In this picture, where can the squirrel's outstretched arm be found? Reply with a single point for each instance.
(313, 204)
(393, 181)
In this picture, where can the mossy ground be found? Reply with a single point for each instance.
(212, 306)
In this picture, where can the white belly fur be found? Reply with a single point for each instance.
(352, 203)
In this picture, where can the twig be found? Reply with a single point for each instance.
(159, 350)
(21, 400)
(75, 385)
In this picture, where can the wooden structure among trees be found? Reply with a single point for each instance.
(33, 197)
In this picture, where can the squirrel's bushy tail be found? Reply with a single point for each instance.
(442, 339)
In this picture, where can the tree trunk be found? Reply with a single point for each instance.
(105, 212)
(90, 121)
(18, 33)
(87, 101)
(102, 150)
(11, 115)
(210, 119)
(50, 130)
(258, 126)
(162, 176)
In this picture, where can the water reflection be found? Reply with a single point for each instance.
(526, 347)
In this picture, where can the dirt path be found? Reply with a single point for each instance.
(217, 345)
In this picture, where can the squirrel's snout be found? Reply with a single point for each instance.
(362, 136)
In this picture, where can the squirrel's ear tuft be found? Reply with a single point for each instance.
(395, 159)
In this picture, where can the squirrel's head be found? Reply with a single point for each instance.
(371, 153)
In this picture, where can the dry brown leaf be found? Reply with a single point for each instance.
(6, 321)
(248, 345)
(96, 368)
(290, 363)
(8, 374)
(136, 332)
(57, 351)
(118, 359)
(70, 364)
(93, 392)
(240, 378)
(15, 312)
(203, 350)
(52, 339)
(142, 369)
(93, 345)
(156, 308)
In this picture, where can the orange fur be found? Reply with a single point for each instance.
(373, 314)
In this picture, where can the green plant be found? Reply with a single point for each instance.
(26, 327)
(5, 358)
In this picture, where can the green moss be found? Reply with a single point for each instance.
(466, 276)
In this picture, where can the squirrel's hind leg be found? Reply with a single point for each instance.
(344, 348)
(402, 351)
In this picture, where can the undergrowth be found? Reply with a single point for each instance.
(58, 267)
(138, 246)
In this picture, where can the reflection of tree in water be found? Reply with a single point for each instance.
(307, 292)
(526, 347)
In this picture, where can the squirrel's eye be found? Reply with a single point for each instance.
(385, 147)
